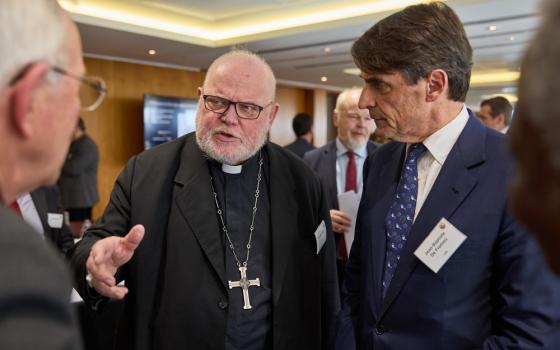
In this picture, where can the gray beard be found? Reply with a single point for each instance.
(208, 148)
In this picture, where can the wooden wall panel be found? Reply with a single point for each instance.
(117, 125)
(292, 101)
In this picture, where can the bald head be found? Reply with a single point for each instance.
(30, 32)
(238, 62)
(39, 98)
(236, 82)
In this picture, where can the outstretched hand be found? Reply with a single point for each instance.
(106, 256)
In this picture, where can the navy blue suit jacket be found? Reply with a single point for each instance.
(495, 292)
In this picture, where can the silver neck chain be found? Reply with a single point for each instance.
(251, 228)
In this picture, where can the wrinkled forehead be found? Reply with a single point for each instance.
(244, 75)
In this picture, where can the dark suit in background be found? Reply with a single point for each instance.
(47, 201)
(300, 146)
(177, 286)
(323, 162)
(495, 292)
(35, 310)
(78, 180)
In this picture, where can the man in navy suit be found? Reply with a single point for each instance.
(443, 180)
(332, 162)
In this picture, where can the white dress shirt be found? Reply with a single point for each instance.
(342, 163)
(438, 146)
(29, 213)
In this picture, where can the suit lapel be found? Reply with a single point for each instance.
(371, 147)
(283, 214)
(40, 202)
(328, 165)
(196, 203)
(453, 184)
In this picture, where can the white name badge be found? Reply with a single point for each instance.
(55, 220)
(321, 235)
(440, 245)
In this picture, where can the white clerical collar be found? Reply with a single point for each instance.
(232, 169)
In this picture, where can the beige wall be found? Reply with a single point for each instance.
(320, 117)
(117, 125)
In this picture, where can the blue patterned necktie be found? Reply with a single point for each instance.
(401, 213)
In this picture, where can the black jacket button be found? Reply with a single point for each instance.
(222, 304)
(380, 330)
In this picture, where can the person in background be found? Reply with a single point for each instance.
(438, 261)
(222, 238)
(535, 140)
(78, 180)
(41, 209)
(496, 113)
(302, 125)
(41, 73)
(339, 164)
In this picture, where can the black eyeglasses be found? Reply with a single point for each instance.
(92, 89)
(244, 110)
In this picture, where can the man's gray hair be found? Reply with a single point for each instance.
(30, 31)
(342, 97)
(250, 55)
(540, 81)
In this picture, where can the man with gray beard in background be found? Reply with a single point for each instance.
(340, 163)
(223, 239)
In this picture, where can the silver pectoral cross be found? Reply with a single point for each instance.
(244, 284)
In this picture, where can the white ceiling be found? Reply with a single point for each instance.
(297, 55)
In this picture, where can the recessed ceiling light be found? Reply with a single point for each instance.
(492, 28)
(324, 79)
(493, 77)
(327, 49)
(511, 38)
(352, 71)
(152, 52)
(509, 90)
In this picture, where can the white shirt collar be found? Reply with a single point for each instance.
(232, 169)
(341, 149)
(29, 212)
(440, 143)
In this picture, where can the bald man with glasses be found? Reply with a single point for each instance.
(222, 239)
